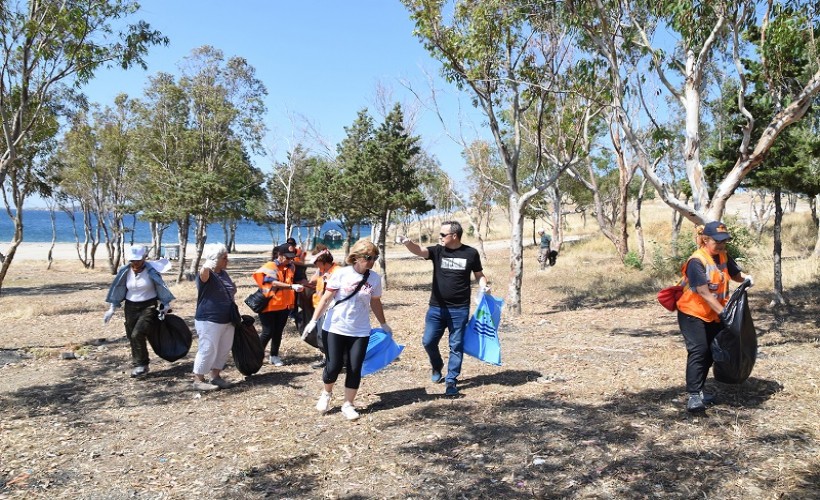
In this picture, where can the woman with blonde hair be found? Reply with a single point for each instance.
(355, 290)
(705, 282)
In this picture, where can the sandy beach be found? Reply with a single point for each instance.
(68, 251)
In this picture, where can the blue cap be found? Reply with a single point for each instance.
(717, 231)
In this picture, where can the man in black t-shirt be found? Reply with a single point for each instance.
(453, 262)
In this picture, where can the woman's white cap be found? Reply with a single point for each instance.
(136, 253)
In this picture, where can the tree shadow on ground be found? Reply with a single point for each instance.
(54, 289)
(275, 479)
(604, 293)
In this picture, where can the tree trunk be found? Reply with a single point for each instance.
(815, 202)
(201, 236)
(182, 226)
(638, 225)
(381, 244)
(516, 256)
(778, 300)
(12, 249)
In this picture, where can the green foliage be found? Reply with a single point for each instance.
(633, 260)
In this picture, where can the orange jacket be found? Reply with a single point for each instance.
(280, 298)
(691, 302)
(320, 284)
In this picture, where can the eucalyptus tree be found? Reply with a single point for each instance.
(226, 102)
(50, 49)
(165, 154)
(509, 60)
(625, 33)
(33, 173)
(288, 189)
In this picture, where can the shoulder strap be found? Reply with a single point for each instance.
(358, 287)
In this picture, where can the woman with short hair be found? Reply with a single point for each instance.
(213, 320)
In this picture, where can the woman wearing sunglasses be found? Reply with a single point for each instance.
(354, 291)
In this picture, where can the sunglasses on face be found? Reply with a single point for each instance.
(369, 257)
(444, 235)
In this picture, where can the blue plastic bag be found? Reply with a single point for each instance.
(381, 351)
(481, 335)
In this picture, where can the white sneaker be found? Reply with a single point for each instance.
(276, 361)
(349, 411)
(323, 405)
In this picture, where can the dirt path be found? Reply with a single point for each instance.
(588, 404)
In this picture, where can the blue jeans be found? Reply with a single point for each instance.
(455, 320)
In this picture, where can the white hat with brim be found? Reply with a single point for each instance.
(136, 253)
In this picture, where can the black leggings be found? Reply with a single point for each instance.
(343, 349)
(698, 336)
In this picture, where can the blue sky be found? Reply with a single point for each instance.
(321, 59)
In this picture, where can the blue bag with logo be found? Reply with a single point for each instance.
(381, 351)
(481, 335)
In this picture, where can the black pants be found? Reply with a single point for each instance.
(343, 350)
(698, 336)
(273, 324)
(140, 319)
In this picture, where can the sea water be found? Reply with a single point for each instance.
(37, 228)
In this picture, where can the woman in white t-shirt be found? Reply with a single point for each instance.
(354, 291)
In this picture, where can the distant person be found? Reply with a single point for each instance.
(705, 282)
(275, 279)
(325, 267)
(356, 290)
(544, 248)
(213, 321)
(302, 307)
(453, 262)
(141, 286)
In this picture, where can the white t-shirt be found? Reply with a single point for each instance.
(351, 317)
(139, 286)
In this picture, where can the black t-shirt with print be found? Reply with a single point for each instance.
(452, 274)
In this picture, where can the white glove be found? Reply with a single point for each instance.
(297, 287)
(210, 264)
(162, 310)
(311, 325)
(386, 328)
(402, 239)
(108, 315)
(751, 280)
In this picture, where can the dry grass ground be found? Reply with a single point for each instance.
(589, 402)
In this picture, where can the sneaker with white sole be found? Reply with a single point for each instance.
(140, 371)
(349, 411)
(323, 405)
(221, 383)
(276, 361)
(200, 385)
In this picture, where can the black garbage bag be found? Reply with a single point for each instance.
(734, 349)
(172, 339)
(247, 349)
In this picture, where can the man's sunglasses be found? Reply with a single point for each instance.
(444, 235)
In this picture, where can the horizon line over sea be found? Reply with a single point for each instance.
(37, 228)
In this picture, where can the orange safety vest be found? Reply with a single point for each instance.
(691, 302)
(320, 284)
(280, 298)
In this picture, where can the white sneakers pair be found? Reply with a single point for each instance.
(323, 405)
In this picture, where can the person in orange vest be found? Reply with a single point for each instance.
(325, 267)
(705, 282)
(275, 279)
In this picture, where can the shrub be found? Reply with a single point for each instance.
(631, 259)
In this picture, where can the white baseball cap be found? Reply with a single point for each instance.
(135, 253)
